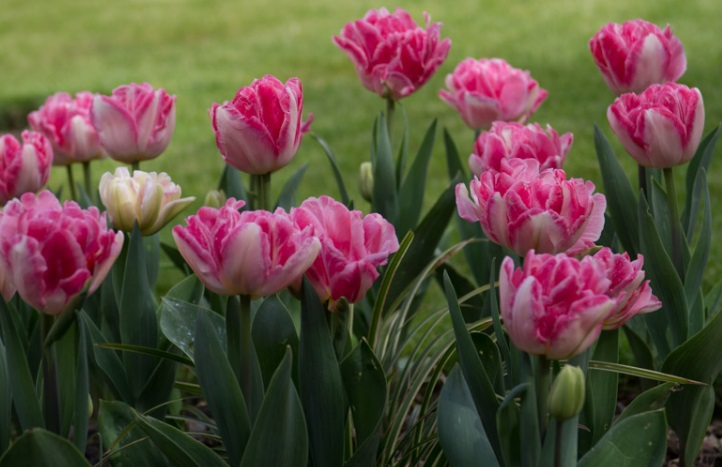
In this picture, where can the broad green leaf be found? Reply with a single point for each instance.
(178, 321)
(602, 386)
(138, 322)
(6, 401)
(508, 423)
(21, 384)
(403, 148)
(175, 257)
(224, 397)
(413, 188)
(273, 331)
(461, 431)
(345, 199)
(128, 444)
(188, 290)
(619, 193)
(180, 449)
(453, 162)
(158, 387)
(82, 389)
(279, 436)
(649, 400)
(501, 340)
(642, 353)
(489, 355)
(474, 371)
(385, 196)
(320, 383)
(152, 259)
(698, 263)
(41, 448)
(64, 363)
(713, 300)
(699, 162)
(473, 308)
(288, 193)
(232, 184)
(365, 384)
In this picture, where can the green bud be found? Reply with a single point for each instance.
(566, 397)
(215, 199)
(366, 181)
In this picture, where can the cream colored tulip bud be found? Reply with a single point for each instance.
(215, 199)
(366, 181)
(566, 397)
(149, 198)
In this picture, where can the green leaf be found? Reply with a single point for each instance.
(602, 386)
(41, 448)
(509, 423)
(279, 436)
(461, 432)
(152, 259)
(473, 308)
(475, 373)
(273, 331)
(180, 449)
(224, 397)
(345, 199)
(128, 444)
(649, 400)
(619, 193)
(641, 373)
(232, 184)
(642, 353)
(638, 440)
(189, 290)
(288, 192)
(385, 196)
(412, 191)
(6, 401)
(403, 148)
(453, 161)
(64, 363)
(699, 162)
(698, 263)
(138, 322)
(148, 351)
(21, 384)
(82, 390)
(320, 383)
(178, 321)
(175, 257)
(365, 384)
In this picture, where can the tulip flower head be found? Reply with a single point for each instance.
(24, 168)
(488, 90)
(256, 253)
(352, 248)
(555, 305)
(259, 131)
(393, 56)
(661, 127)
(524, 209)
(511, 140)
(65, 121)
(636, 54)
(53, 252)
(150, 199)
(135, 122)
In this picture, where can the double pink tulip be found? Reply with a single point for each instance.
(135, 123)
(555, 305)
(259, 131)
(352, 248)
(24, 168)
(254, 253)
(393, 56)
(636, 54)
(511, 140)
(52, 252)
(522, 209)
(66, 123)
(661, 127)
(487, 90)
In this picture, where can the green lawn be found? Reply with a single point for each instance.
(202, 51)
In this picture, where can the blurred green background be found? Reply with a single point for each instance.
(204, 50)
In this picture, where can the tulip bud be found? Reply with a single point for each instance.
(215, 199)
(366, 181)
(566, 397)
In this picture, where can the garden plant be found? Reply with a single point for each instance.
(499, 325)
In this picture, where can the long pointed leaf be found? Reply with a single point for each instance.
(343, 193)
(6, 401)
(413, 187)
(700, 161)
(82, 390)
(288, 192)
(41, 448)
(273, 331)
(178, 322)
(385, 196)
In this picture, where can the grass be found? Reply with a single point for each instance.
(202, 51)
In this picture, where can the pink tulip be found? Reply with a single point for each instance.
(507, 140)
(488, 90)
(662, 126)
(254, 253)
(24, 167)
(633, 55)
(66, 123)
(352, 248)
(393, 56)
(631, 292)
(555, 305)
(51, 253)
(135, 123)
(260, 130)
(523, 209)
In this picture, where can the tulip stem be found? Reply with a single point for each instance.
(261, 188)
(50, 379)
(558, 444)
(674, 222)
(88, 179)
(542, 391)
(238, 338)
(390, 107)
(71, 182)
(135, 165)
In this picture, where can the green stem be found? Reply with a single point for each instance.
(642, 177)
(390, 108)
(542, 379)
(558, 445)
(261, 188)
(350, 320)
(674, 222)
(135, 165)
(238, 338)
(51, 401)
(71, 182)
(88, 180)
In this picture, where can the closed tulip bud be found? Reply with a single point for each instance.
(150, 199)
(215, 199)
(566, 397)
(366, 181)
